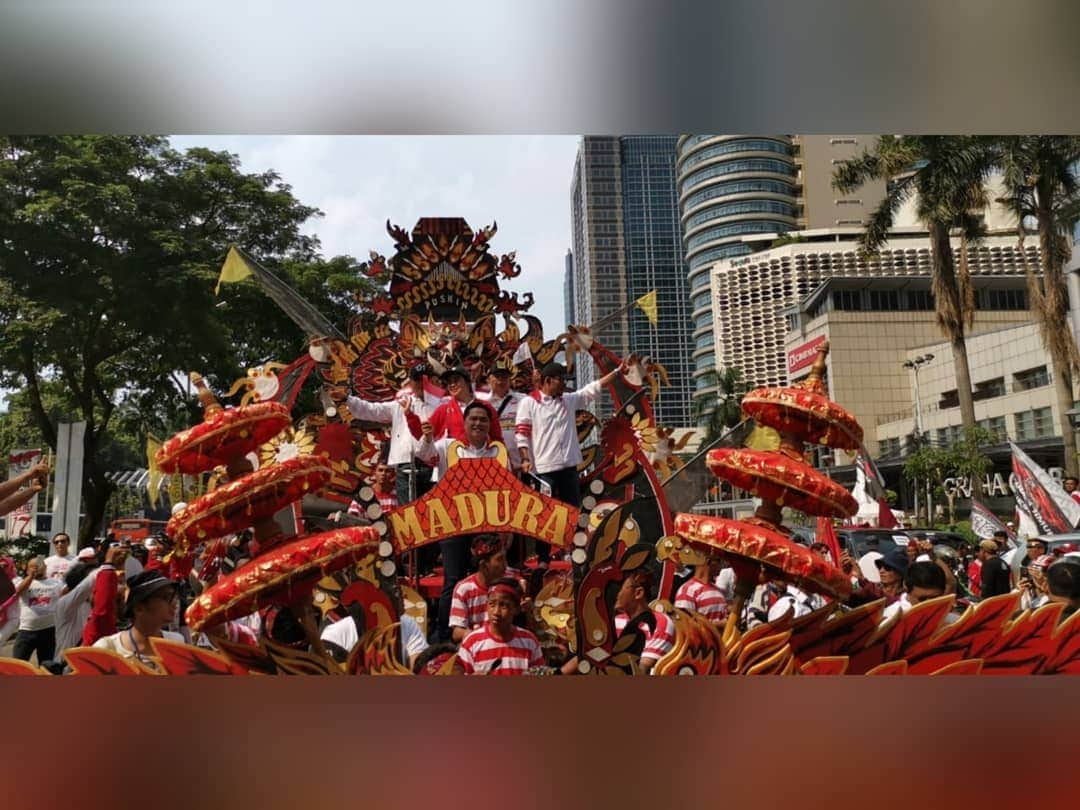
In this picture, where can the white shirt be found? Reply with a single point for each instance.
(902, 605)
(114, 644)
(803, 604)
(725, 581)
(507, 420)
(391, 413)
(432, 451)
(56, 567)
(343, 633)
(73, 609)
(38, 608)
(548, 426)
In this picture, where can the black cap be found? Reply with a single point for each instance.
(456, 371)
(418, 371)
(143, 585)
(553, 370)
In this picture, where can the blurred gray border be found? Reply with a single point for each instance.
(592, 66)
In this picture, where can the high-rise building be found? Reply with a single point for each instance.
(738, 190)
(626, 243)
(568, 288)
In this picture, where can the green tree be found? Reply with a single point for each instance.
(109, 250)
(963, 458)
(947, 175)
(719, 411)
(1040, 175)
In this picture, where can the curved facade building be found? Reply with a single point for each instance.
(729, 186)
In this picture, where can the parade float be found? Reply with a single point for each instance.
(439, 303)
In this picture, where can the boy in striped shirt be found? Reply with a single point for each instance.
(500, 647)
(468, 606)
(698, 594)
(632, 604)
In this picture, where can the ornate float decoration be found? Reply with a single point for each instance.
(440, 305)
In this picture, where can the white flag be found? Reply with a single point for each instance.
(522, 354)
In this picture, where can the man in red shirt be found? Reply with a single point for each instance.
(449, 418)
(500, 647)
(1069, 484)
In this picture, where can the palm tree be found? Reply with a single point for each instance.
(720, 411)
(948, 175)
(1042, 188)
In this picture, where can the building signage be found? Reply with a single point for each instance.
(803, 356)
(994, 485)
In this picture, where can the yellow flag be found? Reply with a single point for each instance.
(235, 269)
(647, 303)
(154, 480)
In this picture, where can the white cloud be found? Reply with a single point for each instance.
(520, 182)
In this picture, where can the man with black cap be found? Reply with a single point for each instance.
(546, 433)
(505, 402)
(151, 604)
(412, 398)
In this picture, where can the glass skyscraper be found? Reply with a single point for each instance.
(628, 242)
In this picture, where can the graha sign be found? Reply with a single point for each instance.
(481, 495)
(803, 356)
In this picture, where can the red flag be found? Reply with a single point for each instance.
(827, 535)
(886, 519)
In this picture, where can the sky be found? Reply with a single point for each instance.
(522, 183)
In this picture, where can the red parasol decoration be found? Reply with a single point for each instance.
(225, 434)
(240, 503)
(783, 480)
(804, 414)
(281, 575)
(752, 547)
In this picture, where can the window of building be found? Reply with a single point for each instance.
(1034, 424)
(848, 202)
(792, 322)
(1006, 299)
(949, 399)
(835, 141)
(989, 389)
(1031, 378)
(996, 426)
(947, 436)
(889, 448)
(920, 300)
(847, 300)
(885, 300)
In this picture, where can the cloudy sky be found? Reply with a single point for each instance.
(520, 182)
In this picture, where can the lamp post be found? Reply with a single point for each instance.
(915, 364)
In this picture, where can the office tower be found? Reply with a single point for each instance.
(626, 243)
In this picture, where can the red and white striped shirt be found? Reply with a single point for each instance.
(480, 651)
(657, 642)
(702, 597)
(548, 425)
(468, 607)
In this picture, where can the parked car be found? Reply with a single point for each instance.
(858, 542)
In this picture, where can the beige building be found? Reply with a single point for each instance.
(875, 325)
(1012, 380)
(753, 295)
(820, 206)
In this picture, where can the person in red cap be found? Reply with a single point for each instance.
(500, 647)
(468, 607)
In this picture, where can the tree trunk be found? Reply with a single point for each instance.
(97, 489)
(1063, 390)
(967, 402)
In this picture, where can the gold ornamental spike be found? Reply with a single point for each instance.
(813, 381)
(206, 397)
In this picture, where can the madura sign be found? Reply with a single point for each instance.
(480, 495)
(994, 485)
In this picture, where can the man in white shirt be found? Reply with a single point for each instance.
(546, 434)
(61, 560)
(77, 599)
(412, 398)
(37, 614)
(505, 403)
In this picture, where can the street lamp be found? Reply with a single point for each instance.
(915, 364)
